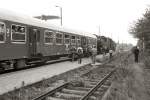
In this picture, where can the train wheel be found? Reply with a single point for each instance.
(20, 63)
(44, 60)
(2, 68)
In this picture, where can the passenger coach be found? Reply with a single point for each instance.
(24, 39)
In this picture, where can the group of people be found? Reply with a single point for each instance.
(78, 54)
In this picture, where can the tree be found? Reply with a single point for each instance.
(140, 28)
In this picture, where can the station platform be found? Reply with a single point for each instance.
(13, 80)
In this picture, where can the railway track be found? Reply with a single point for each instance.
(42, 90)
(90, 87)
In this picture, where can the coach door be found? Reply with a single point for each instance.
(83, 41)
(33, 41)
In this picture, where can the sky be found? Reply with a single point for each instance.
(111, 18)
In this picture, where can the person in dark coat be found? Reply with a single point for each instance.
(136, 53)
(110, 53)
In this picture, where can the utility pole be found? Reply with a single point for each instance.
(60, 14)
(118, 39)
(99, 30)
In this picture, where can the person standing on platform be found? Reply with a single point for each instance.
(136, 54)
(89, 50)
(94, 53)
(73, 52)
(110, 53)
(103, 52)
(80, 54)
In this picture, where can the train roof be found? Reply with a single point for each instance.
(20, 18)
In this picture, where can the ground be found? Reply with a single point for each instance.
(132, 81)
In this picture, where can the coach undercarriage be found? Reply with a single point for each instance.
(26, 62)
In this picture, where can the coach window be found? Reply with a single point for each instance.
(38, 36)
(78, 40)
(48, 37)
(2, 32)
(67, 39)
(73, 39)
(59, 38)
(18, 34)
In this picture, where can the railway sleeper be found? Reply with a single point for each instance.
(96, 77)
(96, 93)
(79, 88)
(53, 98)
(67, 96)
(89, 86)
(77, 92)
(103, 88)
(95, 98)
(91, 82)
(100, 95)
(92, 98)
(108, 83)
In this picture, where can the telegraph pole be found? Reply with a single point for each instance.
(99, 30)
(60, 14)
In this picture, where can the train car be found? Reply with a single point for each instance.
(25, 39)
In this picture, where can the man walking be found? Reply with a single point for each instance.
(73, 52)
(110, 53)
(136, 54)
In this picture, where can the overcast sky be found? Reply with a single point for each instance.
(113, 16)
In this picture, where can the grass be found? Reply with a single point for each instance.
(128, 84)
(145, 58)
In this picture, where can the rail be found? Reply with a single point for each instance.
(97, 86)
(85, 97)
(41, 97)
